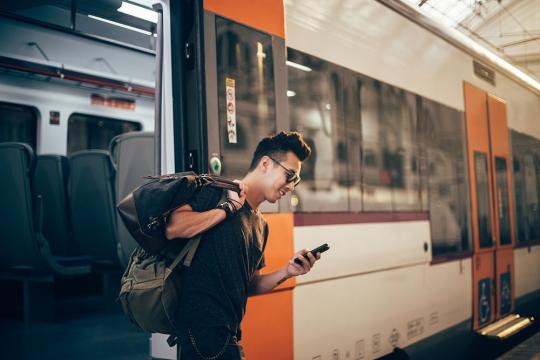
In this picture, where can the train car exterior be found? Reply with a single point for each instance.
(391, 292)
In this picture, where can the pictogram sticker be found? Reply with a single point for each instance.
(231, 110)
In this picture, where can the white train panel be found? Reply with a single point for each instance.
(369, 314)
(362, 248)
(527, 270)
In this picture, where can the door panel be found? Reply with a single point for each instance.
(500, 152)
(483, 296)
(489, 161)
(505, 281)
(476, 116)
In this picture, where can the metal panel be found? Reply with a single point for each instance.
(211, 84)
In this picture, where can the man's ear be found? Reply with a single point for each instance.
(264, 164)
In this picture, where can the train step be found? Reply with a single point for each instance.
(506, 327)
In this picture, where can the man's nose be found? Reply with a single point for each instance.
(290, 186)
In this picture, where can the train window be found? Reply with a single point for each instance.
(482, 197)
(440, 132)
(95, 132)
(505, 237)
(245, 73)
(18, 123)
(526, 155)
(315, 91)
(352, 101)
(390, 183)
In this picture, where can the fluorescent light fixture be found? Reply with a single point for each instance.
(139, 12)
(120, 25)
(290, 93)
(298, 66)
(146, 3)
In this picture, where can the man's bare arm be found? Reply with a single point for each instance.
(261, 284)
(186, 223)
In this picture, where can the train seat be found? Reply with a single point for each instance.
(25, 252)
(133, 156)
(92, 206)
(50, 181)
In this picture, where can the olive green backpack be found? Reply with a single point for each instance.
(150, 289)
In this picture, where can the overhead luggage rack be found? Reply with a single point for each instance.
(506, 327)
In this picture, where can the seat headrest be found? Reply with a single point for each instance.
(25, 148)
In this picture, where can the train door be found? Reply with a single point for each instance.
(230, 90)
(246, 99)
(493, 225)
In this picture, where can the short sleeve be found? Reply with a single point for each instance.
(262, 263)
(206, 198)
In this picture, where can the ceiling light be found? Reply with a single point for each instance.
(120, 25)
(298, 66)
(290, 93)
(139, 12)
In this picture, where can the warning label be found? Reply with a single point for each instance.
(231, 110)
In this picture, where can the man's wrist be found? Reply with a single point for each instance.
(228, 207)
(286, 276)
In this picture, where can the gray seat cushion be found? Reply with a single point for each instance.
(50, 181)
(92, 205)
(133, 156)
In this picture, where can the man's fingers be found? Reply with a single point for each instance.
(306, 262)
(311, 258)
(299, 268)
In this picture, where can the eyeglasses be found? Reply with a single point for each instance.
(292, 176)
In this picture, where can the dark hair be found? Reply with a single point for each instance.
(278, 145)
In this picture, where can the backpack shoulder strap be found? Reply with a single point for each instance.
(187, 253)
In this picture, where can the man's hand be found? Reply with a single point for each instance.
(238, 200)
(293, 269)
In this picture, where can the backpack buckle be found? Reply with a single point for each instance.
(172, 340)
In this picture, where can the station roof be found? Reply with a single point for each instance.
(510, 28)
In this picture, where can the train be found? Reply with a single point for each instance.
(423, 179)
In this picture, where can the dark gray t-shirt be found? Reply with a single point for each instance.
(215, 287)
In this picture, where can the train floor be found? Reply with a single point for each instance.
(85, 326)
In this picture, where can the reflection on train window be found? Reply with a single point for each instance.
(315, 91)
(441, 134)
(245, 91)
(352, 104)
(505, 237)
(389, 148)
(95, 132)
(482, 197)
(526, 153)
(18, 123)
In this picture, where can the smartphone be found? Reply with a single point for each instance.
(314, 252)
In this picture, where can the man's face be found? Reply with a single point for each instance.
(275, 184)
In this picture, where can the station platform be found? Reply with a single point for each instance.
(528, 349)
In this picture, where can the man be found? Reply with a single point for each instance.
(225, 270)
